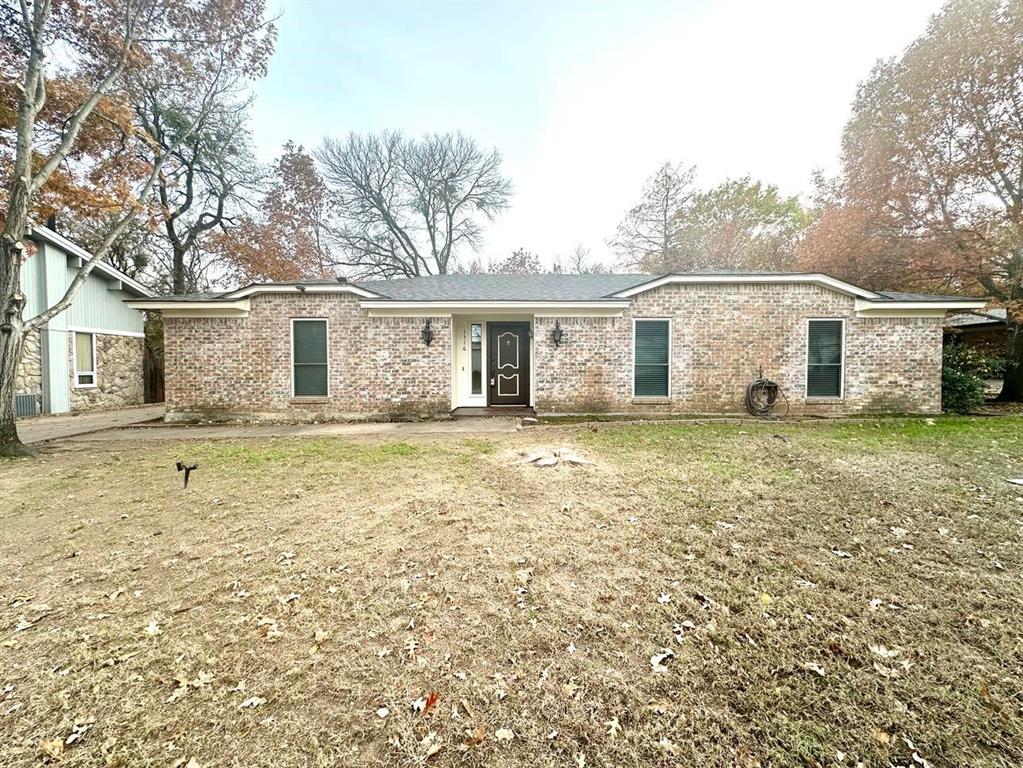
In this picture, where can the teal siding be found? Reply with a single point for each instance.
(95, 305)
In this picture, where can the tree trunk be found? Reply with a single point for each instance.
(178, 271)
(12, 306)
(1012, 384)
(10, 356)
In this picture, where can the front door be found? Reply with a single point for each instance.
(508, 347)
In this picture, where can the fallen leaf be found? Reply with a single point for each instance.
(812, 666)
(840, 553)
(664, 598)
(152, 628)
(51, 749)
(252, 702)
(659, 661)
(383, 712)
(504, 734)
(883, 652)
(613, 728)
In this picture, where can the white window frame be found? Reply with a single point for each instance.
(291, 356)
(671, 350)
(806, 363)
(95, 361)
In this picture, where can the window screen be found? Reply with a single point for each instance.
(824, 359)
(651, 358)
(309, 355)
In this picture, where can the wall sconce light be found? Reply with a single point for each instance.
(427, 334)
(558, 334)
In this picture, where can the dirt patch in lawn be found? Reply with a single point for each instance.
(700, 595)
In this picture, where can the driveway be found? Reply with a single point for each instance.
(43, 428)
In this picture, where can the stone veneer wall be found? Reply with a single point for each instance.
(118, 374)
(29, 378)
(236, 367)
(721, 336)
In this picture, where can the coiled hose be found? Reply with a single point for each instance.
(762, 396)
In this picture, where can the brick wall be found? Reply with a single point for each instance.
(242, 366)
(721, 336)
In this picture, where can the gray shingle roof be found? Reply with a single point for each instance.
(544, 287)
(504, 287)
(903, 296)
(996, 315)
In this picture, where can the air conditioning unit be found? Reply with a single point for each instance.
(26, 405)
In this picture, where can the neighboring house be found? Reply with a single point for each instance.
(985, 330)
(561, 343)
(90, 355)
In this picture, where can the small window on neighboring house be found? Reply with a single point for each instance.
(309, 358)
(651, 358)
(824, 358)
(85, 360)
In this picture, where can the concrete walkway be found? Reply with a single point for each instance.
(229, 431)
(42, 428)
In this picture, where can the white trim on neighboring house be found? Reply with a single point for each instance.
(95, 361)
(806, 364)
(291, 357)
(105, 332)
(671, 358)
(813, 278)
(252, 290)
(73, 249)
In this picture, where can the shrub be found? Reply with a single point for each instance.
(962, 388)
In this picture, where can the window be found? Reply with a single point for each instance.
(476, 352)
(85, 360)
(309, 357)
(651, 358)
(824, 358)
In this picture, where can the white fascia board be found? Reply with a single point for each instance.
(238, 308)
(824, 281)
(252, 290)
(496, 307)
(915, 308)
(75, 250)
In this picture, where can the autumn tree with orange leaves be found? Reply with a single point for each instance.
(289, 238)
(56, 138)
(931, 191)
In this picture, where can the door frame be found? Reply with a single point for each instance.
(526, 377)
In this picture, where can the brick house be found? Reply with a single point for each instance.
(686, 343)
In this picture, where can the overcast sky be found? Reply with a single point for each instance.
(586, 99)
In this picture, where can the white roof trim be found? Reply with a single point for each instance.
(47, 234)
(238, 308)
(952, 303)
(251, 290)
(814, 278)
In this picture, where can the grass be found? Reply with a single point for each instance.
(327, 580)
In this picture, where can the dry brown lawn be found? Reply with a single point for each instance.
(831, 594)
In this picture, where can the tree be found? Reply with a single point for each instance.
(648, 236)
(932, 166)
(406, 205)
(521, 262)
(578, 263)
(207, 176)
(739, 225)
(106, 46)
(288, 240)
